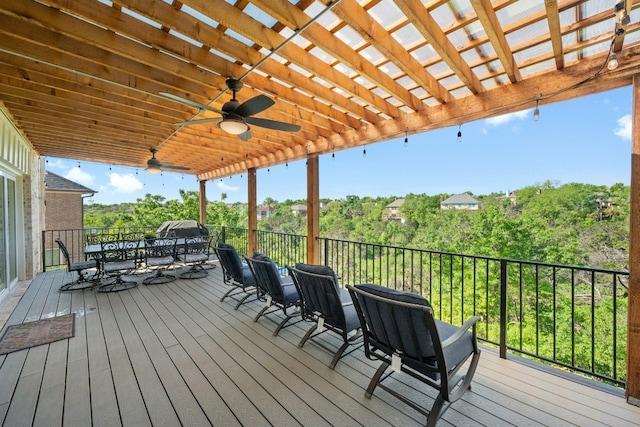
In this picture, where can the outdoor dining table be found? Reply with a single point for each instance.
(95, 249)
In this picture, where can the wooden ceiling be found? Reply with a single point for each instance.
(83, 79)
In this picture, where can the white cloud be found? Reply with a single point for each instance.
(624, 127)
(80, 176)
(506, 118)
(225, 187)
(56, 164)
(124, 183)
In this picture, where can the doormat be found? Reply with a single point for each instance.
(31, 334)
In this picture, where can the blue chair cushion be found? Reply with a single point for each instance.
(319, 269)
(290, 293)
(394, 294)
(247, 276)
(351, 319)
(402, 339)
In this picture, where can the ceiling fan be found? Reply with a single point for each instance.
(155, 166)
(236, 117)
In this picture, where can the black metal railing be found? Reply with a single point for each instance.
(568, 316)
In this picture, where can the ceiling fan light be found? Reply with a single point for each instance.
(153, 169)
(233, 126)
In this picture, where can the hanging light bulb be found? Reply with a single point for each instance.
(406, 138)
(536, 112)
(459, 133)
(612, 64)
(364, 152)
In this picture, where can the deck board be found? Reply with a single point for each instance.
(173, 354)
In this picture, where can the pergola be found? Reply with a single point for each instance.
(106, 81)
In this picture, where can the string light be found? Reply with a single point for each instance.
(406, 138)
(364, 152)
(459, 133)
(536, 112)
(612, 64)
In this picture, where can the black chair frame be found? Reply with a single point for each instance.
(195, 253)
(433, 355)
(322, 304)
(118, 258)
(159, 256)
(274, 291)
(80, 268)
(235, 274)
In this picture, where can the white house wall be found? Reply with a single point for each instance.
(19, 161)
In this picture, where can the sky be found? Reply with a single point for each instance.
(586, 140)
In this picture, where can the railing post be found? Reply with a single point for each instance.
(503, 308)
(223, 236)
(326, 251)
(43, 252)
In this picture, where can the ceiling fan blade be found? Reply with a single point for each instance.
(190, 102)
(175, 168)
(254, 106)
(273, 124)
(199, 121)
(171, 166)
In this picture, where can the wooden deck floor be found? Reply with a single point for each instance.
(173, 354)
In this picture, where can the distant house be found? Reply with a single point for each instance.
(299, 210)
(264, 211)
(461, 201)
(511, 196)
(63, 210)
(392, 211)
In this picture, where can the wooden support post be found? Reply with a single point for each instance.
(633, 323)
(313, 209)
(252, 241)
(203, 202)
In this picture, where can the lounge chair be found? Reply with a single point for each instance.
(235, 274)
(400, 331)
(278, 292)
(328, 306)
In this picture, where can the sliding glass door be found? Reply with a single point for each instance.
(8, 256)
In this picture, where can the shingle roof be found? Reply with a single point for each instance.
(461, 199)
(396, 203)
(56, 182)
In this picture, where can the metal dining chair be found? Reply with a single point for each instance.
(118, 258)
(81, 268)
(159, 256)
